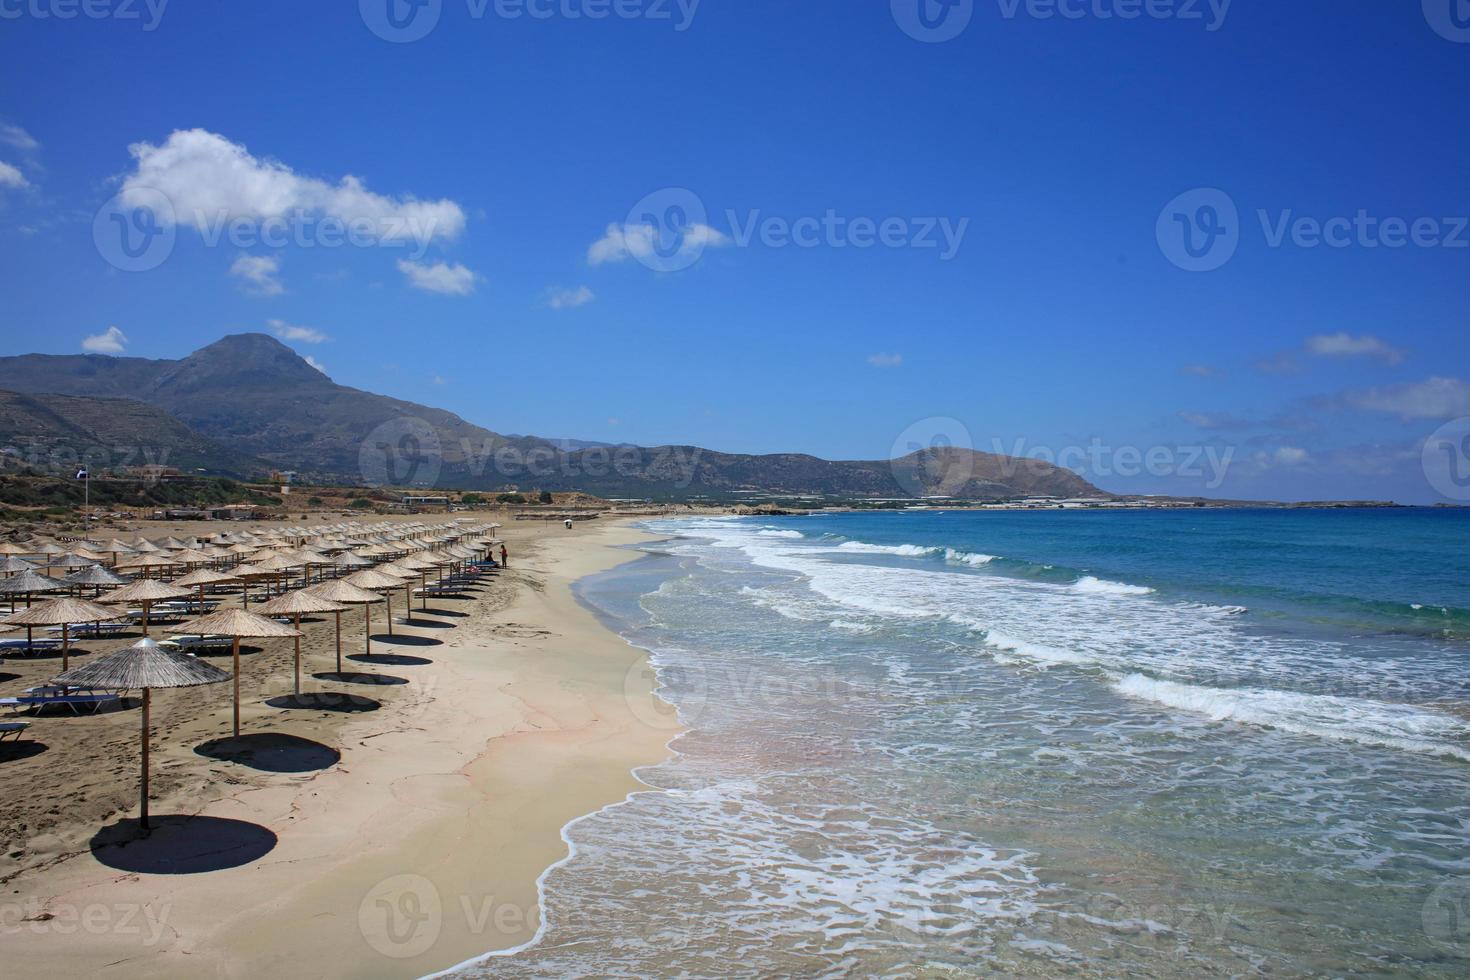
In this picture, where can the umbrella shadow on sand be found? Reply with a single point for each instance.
(181, 845)
(390, 659)
(369, 680)
(430, 624)
(442, 612)
(407, 640)
(15, 751)
(271, 752)
(337, 701)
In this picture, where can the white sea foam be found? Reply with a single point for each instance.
(772, 532)
(1345, 719)
(1092, 585)
(971, 558)
(901, 550)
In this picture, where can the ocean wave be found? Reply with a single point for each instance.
(772, 532)
(1092, 585)
(971, 558)
(1366, 722)
(1037, 653)
(901, 550)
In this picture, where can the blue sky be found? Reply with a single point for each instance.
(1065, 157)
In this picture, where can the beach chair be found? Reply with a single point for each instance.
(47, 697)
(12, 730)
(193, 641)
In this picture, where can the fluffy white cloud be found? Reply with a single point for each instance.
(305, 335)
(18, 138)
(1291, 456)
(11, 176)
(316, 364)
(210, 180)
(565, 299)
(112, 341)
(885, 360)
(1433, 398)
(438, 277)
(259, 274)
(1346, 345)
(624, 242)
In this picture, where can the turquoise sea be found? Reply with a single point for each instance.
(1154, 743)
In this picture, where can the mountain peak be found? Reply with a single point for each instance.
(244, 359)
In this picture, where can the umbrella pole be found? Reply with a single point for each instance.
(146, 604)
(338, 614)
(236, 651)
(298, 655)
(144, 802)
(65, 647)
(388, 598)
(367, 636)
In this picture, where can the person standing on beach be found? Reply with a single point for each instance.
(504, 559)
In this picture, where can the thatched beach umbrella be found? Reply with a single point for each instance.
(10, 565)
(96, 577)
(143, 666)
(28, 583)
(342, 591)
(236, 623)
(294, 604)
(61, 612)
(201, 577)
(146, 592)
(377, 581)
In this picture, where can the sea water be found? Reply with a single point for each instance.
(1153, 743)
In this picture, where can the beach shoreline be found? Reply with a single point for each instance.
(421, 847)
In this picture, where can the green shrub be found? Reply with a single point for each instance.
(511, 498)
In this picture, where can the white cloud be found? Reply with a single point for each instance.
(1199, 370)
(565, 299)
(624, 242)
(113, 341)
(11, 176)
(1346, 345)
(1433, 398)
(316, 364)
(885, 360)
(210, 180)
(18, 138)
(1291, 456)
(438, 380)
(305, 335)
(259, 274)
(439, 277)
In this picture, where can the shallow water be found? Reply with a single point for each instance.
(1038, 744)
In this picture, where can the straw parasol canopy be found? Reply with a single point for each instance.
(145, 591)
(295, 604)
(236, 623)
(340, 590)
(378, 581)
(13, 549)
(143, 666)
(62, 612)
(95, 576)
(28, 583)
(10, 564)
(201, 577)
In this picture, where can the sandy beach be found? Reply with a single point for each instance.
(395, 829)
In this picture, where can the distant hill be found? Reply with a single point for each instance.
(250, 403)
(57, 432)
